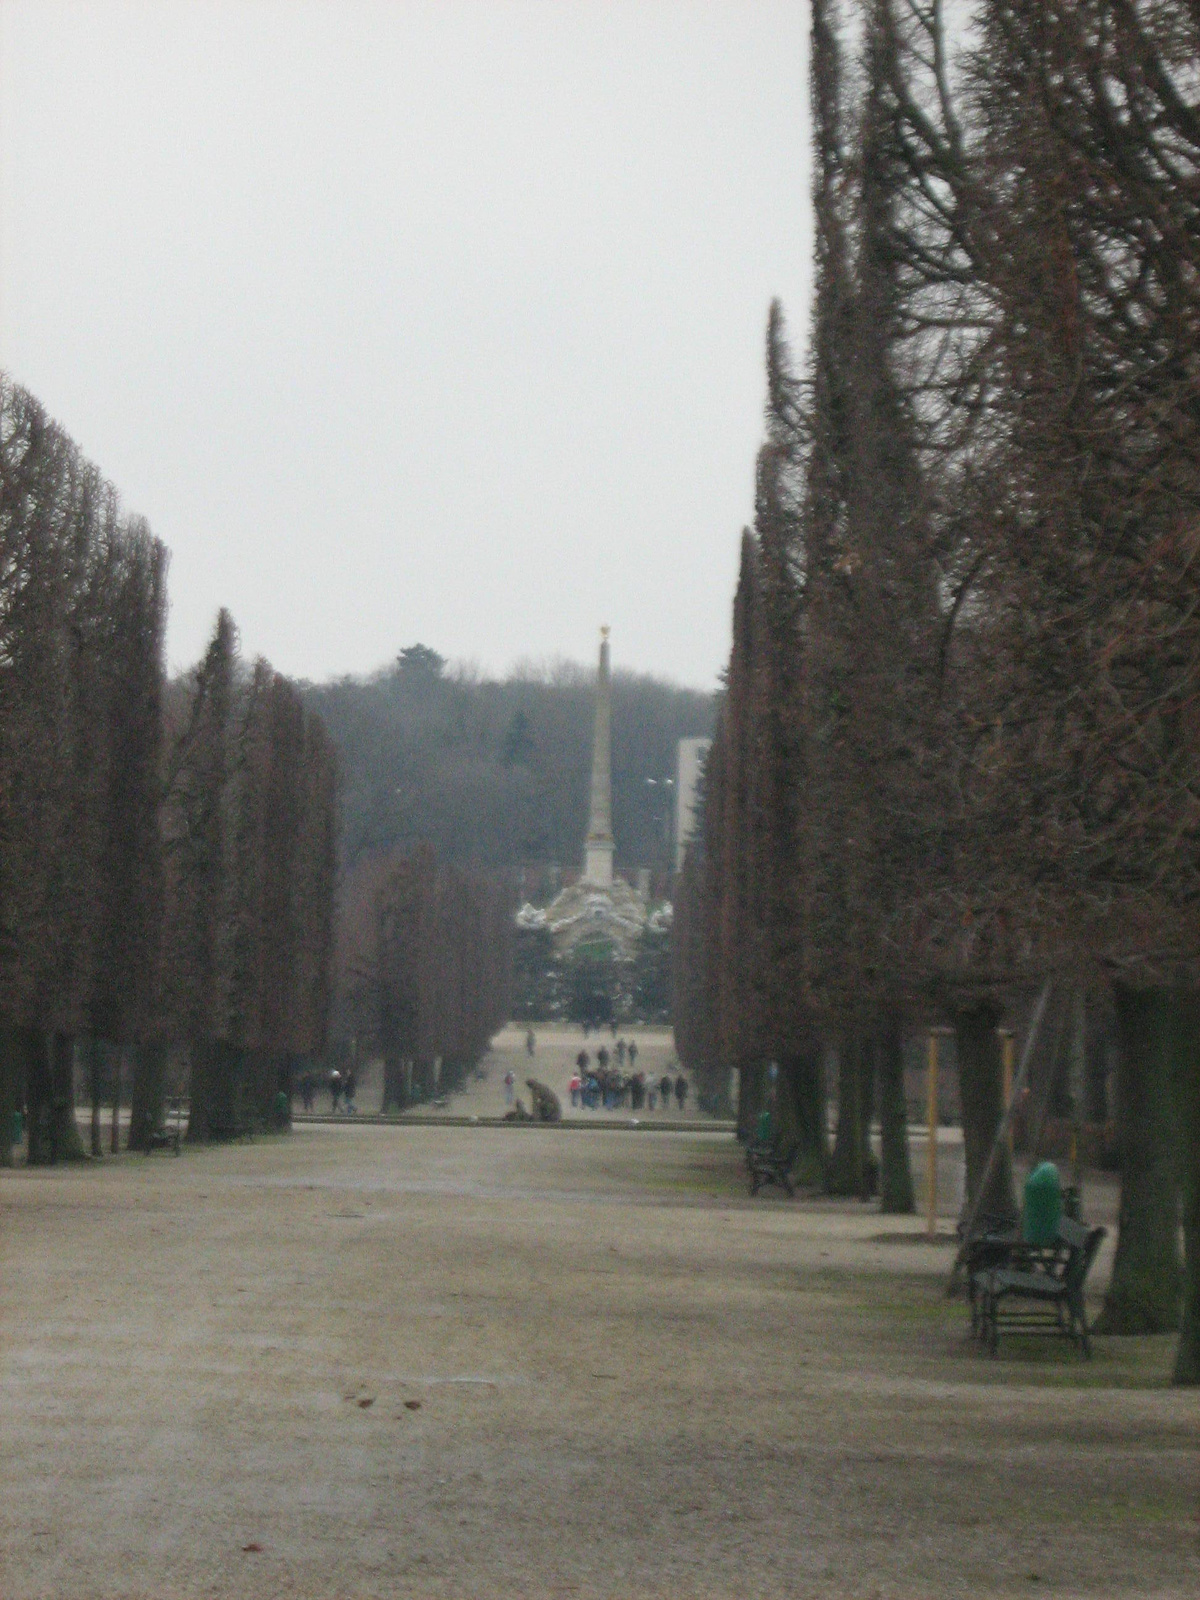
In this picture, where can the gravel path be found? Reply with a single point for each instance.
(371, 1361)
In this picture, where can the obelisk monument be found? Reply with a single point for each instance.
(598, 846)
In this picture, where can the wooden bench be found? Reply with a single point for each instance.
(769, 1163)
(1027, 1288)
(166, 1136)
(162, 1139)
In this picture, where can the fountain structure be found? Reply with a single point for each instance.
(600, 915)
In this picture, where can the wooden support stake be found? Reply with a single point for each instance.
(1007, 1049)
(931, 1119)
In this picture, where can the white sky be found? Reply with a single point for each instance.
(408, 321)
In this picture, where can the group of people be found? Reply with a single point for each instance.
(341, 1085)
(605, 1086)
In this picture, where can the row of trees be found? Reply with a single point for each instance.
(427, 970)
(959, 750)
(249, 819)
(167, 852)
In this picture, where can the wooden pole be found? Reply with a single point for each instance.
(931, 1119)
(1007, 1057)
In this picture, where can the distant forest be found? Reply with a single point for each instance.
(495, 772)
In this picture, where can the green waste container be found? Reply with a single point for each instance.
(1043, 1204)
(16, 1129)
(762, 1133)
(282, 1107)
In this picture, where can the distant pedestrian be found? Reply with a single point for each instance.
(652, 1097)
(308, 1088)
(681, 1090)
(621, 1053)
(664, 1089)
(510, 1079)
(530, 1042)
(602, 1058)
(349, 1088)
(576, 1087)
(632, 1054)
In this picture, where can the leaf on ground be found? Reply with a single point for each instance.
(367, 1400)
(412, 1405)
(252, 1549)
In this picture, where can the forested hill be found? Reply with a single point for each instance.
(497, 772)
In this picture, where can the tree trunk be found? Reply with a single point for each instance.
(146, 1096)
(229, 1074)
(423, 1078)
(35, 1050)
(286, 1069)
(752, 1097)
(10, 1089)
(1186, 1064)
(850, 1171)
(216, 1069)
(981, 1087)
(199, 1090)
(395, 1086)
(64, 1130)
(256, 1071)
(895, 1173)
(118, 1068)
(1143, 1296)
(804, 1074)
(92, 1054)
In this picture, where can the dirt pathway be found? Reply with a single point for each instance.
(370, 1361)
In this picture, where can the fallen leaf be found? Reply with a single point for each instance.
(368, 1400)
(255, 1549)
(412, 1405)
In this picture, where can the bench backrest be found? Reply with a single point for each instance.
(1082, 1244)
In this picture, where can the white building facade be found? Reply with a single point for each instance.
(690, 757)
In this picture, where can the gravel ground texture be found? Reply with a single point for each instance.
(448, 1361)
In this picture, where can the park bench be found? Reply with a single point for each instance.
(168, 1134)
(771, 1163)
(1026, 1288)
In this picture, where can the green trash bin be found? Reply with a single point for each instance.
(1043, 1204)
(762, 1133)
(16, 1129)
(282, 1109)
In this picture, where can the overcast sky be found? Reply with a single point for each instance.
(408, 321)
